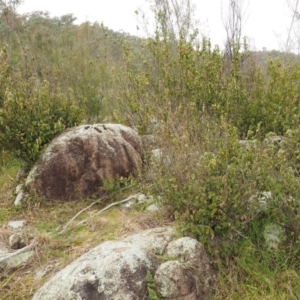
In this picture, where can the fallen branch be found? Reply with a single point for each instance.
(9, 255)
(83, 210)
(80, 212)
(109, 206)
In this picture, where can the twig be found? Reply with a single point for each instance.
(86, 208)
(239, 233)
(109, 206)
(83, 210)
(11, 178)
(29, 247)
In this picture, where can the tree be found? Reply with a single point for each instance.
(175, 18)
(293, 38)
(8, 12)
(233, 20)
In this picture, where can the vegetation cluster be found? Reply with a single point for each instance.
(227, 123)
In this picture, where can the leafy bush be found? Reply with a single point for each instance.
(211, 191)
(226, 193)
(32, 115)
(4, 74)
(184, 77)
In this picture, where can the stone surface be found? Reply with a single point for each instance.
(156, 155)
(118, 270)
(17, 240)
(274, 235)
(77, 162)
(152, 208)
(19, 188)
(113, 270)
(16, 224)
(274, 140)
(174, 281)
(15, 261)
(19, 199)
(247, 144)
(154, 240)
(139, 200)
(189, 275)
(15, 236)
(261, 201)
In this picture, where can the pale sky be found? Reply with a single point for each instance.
(266, 21)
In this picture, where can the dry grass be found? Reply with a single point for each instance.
(54, 250)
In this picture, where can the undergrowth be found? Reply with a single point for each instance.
(228, 130)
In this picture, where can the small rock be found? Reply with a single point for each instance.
(156, 155)
(140, 199)
(16, 224)
(18, 188)
(16, 260)
(19, 199)
(17, 240)
(154, 240)
(274, 140)
(261, 200)
(274, 235)
(152, 208)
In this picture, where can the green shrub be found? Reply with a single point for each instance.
(184, 77)
(209, 184)
(32, 115)
(4, 74)
(225, 193)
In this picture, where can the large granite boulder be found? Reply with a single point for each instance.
(77, 162)
(117, 270)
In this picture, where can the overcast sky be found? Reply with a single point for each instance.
(266, 21)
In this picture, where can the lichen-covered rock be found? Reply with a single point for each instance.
(113, 270)
(155, 240)
(190, 252)
(16, 224)
(20, 198)
(13, 236)
(16, 261)
(17, 240)
(189, 275)
(138, 200)
(118, 270)
(77, 162)
(174, 281)
(274, 235)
